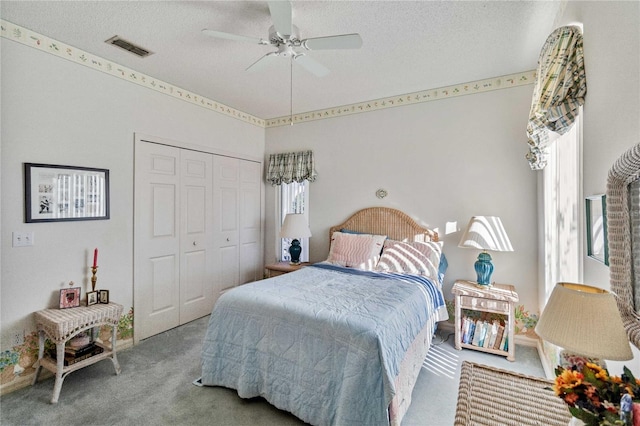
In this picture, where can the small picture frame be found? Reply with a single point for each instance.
(103, 296)
(69, 297)
(92, 298)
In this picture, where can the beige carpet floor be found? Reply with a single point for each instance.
(155, 388)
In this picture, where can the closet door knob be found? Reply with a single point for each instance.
(194, 243)
(227, 239)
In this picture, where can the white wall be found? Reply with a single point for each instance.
(58, 112)
(430, 157)
(612, 106)
(441, 162)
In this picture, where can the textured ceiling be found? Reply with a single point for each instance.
(407, 46)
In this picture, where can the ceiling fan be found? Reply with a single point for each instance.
(286, 38)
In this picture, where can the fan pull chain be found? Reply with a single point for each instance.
(291, 90)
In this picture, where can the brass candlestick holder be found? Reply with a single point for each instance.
(94, 269)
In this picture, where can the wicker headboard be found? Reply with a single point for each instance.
(386, 221)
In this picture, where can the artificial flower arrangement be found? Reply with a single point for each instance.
(594, 396)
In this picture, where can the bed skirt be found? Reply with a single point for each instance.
(408, 374)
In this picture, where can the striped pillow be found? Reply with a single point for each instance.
(411, 258)
(361, 251)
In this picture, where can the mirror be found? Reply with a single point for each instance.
(620, 191)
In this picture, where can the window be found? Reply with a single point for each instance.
(562, 210)
(294, 198)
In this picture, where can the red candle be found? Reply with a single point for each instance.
(95, 258)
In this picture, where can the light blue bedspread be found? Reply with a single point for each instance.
(324, 343)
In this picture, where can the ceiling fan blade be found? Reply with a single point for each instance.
(262, 62)
(235, 37)
(311, 65)
(281, 16)
(344, 41)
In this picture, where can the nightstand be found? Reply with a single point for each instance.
(280, 268)
(494, 299)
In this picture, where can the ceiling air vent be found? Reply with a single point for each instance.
(128, 46)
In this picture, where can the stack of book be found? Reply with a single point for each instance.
(485, 334)
(73, 354)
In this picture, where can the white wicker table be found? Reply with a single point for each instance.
(61, 325)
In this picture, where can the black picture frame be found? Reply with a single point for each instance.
(92, 298)
(596, 218)
(103, 296)
(55, 193)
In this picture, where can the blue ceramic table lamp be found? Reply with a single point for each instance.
(295, 226)
(485, 233)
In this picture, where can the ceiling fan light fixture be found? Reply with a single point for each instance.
(285, 37)
(278, 39)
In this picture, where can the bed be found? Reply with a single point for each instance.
(340, 342)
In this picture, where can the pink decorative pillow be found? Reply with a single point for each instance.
(360, 251)
(411, 258)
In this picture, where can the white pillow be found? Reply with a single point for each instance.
(360, 251)
(411, 258)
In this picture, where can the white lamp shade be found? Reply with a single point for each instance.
(295, 226)
(486, 233)
(584, 320)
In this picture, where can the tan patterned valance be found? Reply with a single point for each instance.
(291, 167)
(559, 91)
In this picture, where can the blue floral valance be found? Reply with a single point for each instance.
(559, 91)
(291, 167)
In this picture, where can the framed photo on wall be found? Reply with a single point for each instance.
(597, 244)
(55, 193)
(69, 297)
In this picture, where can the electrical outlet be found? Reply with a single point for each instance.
(18, 338)
(22, 239)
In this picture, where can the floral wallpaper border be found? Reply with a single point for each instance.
(38, 41)
(462, 89)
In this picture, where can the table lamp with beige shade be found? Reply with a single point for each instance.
(585, 322)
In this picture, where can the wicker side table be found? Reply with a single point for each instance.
(490, 396)
(61, 325)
